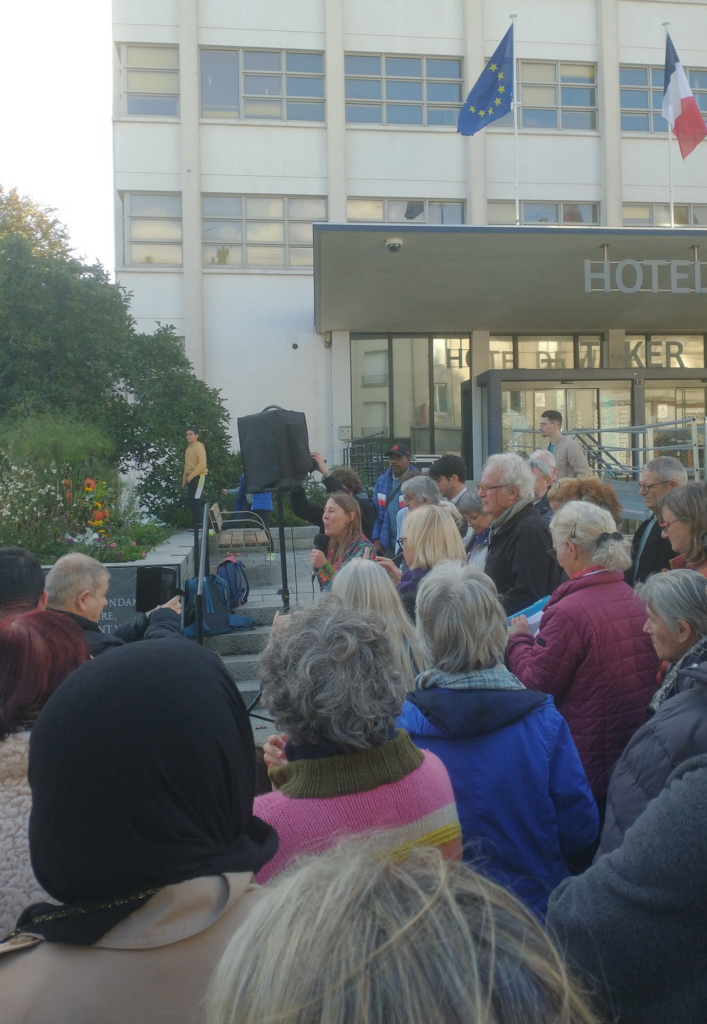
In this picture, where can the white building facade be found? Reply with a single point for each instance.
(238, 125)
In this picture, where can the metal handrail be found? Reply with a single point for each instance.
(601, 454)
(202, 573)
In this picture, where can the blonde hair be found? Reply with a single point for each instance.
(349, 505)
(366, 587)
(350, 939)
(432, 537)
(592, 529)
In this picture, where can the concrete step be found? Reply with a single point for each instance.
(246, 641)
(241, 666)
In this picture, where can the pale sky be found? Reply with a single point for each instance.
(55, 114)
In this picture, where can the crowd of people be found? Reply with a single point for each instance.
(485, 795)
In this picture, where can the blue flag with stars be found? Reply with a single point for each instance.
(492, 95)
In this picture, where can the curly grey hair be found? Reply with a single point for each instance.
(515, 472)
(328, 676)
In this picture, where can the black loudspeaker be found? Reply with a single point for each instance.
(275, 449)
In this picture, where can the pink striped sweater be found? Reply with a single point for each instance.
(417, 808)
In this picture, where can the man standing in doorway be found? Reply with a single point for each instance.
(651, 551)
(194, 474)
(388, 498)
(569, 454)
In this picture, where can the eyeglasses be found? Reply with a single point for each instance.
(401, 540)
(647, 488)
(665, 527)
(484, 488)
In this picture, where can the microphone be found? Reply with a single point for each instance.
(321, 543)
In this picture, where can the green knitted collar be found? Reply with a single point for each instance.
(345, 774)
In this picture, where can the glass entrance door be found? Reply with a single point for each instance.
(583, 408)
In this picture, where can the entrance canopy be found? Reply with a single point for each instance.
(509, 279)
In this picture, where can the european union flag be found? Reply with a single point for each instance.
(492, 95)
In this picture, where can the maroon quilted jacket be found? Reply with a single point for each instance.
(592, 655)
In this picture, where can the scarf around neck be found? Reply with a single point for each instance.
(695, 655)
(410, 580)
(142, 770)
(508, 514)
(496, 678)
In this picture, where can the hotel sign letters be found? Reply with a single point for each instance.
(679, 277)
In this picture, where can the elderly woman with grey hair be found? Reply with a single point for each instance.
(340, 769)
(544, 468)
(417, 490)
(590, 653)
(476, 541)
(523, 798)
(676, 603)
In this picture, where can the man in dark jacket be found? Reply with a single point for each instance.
(633, 925)
(21, 581)
(519, 561)
(677, 730)
(651, 551)
(77, 586)
(341, 479)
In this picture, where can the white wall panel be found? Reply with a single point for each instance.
(553, 166)
(415, 164)
(405, 26)
(263, 158)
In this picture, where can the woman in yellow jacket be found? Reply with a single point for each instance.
(194, 474)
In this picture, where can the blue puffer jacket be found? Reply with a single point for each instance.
(385, 483)
(522, 795)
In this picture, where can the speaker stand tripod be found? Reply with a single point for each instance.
(285, 590)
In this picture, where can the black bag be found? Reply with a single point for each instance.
(275, 450)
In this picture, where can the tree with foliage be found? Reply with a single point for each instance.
(22, 217)
(68, 345)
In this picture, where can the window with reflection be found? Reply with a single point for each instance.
(641, 96)
(260, 231)
(153, 229)
(503, 211)
(383, 89)
(151, 80)
(658, 215)
(554, 95)
(263, 84)
(405, 211)
(548, 353)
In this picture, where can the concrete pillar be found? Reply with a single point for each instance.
(480, 361)
(340, 389)
(335, 109)
(476, 196)
(616, 340)
(609, 112)
(189, 106)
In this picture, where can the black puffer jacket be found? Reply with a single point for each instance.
(633, 925)
(519, 561)
(677, 732)
(161, 624)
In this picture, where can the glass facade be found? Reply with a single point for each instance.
(408, 388)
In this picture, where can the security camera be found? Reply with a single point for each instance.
(394, 244)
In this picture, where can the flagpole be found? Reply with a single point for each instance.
(515, 121)
(670, 150)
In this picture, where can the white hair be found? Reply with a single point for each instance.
(515, 472)
(680, 595)
(593, 530)
(72, 575)
(667, 470)
(545, 456)
(541, 464)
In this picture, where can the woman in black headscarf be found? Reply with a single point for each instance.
(142, 769)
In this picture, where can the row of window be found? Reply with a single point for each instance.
(276, 231)
(584, 351)
(288, 85)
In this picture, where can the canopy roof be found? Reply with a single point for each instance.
(507, 279)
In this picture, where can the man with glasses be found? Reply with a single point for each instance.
(651, 550)
(519, 555)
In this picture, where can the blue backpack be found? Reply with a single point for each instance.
(232, 572)
(217, 611)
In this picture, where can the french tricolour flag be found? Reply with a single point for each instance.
(680, 108)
